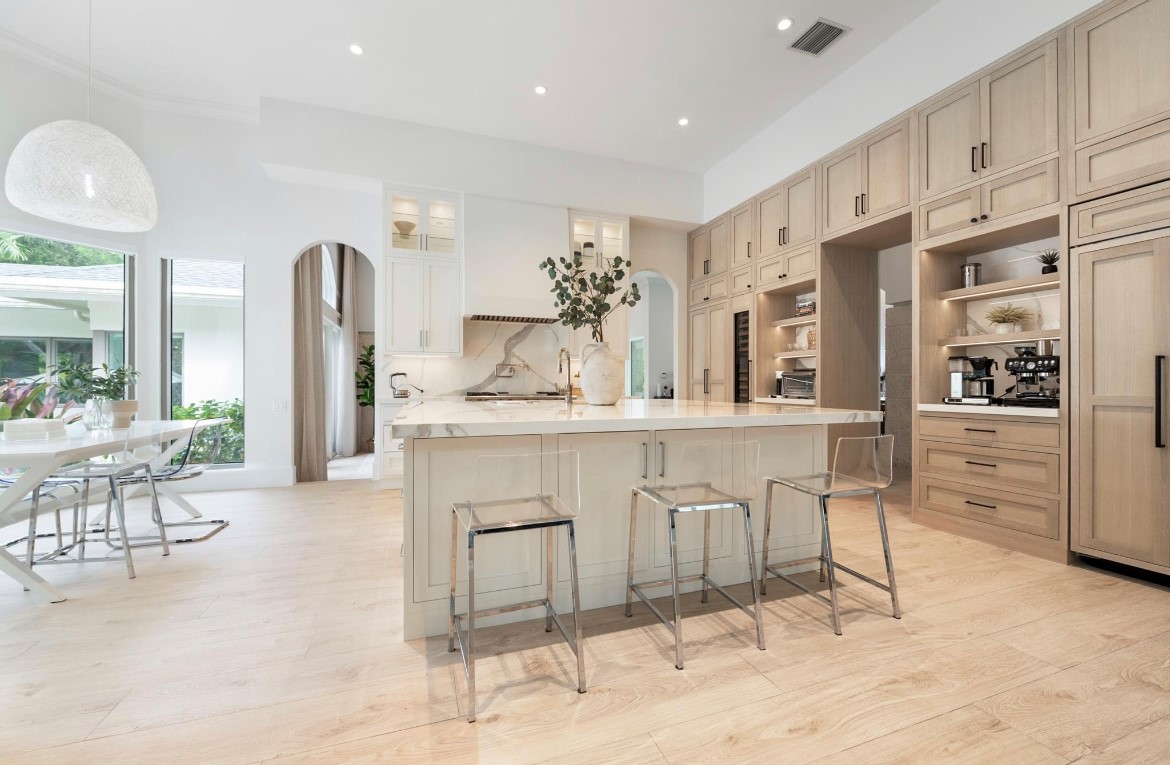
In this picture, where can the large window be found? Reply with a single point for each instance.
(206, 359)
(58, 302)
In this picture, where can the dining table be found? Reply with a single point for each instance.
(32, 461)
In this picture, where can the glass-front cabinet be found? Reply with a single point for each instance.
(599, 238)
(419, 222)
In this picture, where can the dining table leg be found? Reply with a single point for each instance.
(31, 581)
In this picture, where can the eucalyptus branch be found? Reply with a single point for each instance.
(584, 296)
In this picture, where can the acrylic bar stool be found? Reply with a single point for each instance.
(498, 510)
(709, 469)
(860, 466)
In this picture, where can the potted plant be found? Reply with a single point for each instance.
(1008, 318)
(585, 299)
(102, 389)
(1049, 259)
(365, 379)
(37, 399)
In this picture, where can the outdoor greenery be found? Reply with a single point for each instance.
(30, 399)
(365, 377)
(232, 450)
(80, 381)
(584, 296)
(22, 248)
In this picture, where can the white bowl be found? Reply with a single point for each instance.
(404, 227)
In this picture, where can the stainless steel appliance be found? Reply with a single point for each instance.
(800, 384)
(1037, 379)
(970, 380)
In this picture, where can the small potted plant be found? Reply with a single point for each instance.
(365, 379)
(1048, 259)
(36, 399)
(102, 389)
(585, 299)
(1008, 318)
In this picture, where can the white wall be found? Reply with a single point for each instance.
(895, 273)
(945, 44)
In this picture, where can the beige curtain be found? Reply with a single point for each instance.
(347, 417)
(308, 370)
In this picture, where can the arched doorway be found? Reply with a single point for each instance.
(333, 330)
(653, 367)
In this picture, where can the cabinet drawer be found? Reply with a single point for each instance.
(1008, 468)
(698, 292)
(741, 281)
(948, 214)
(801, 263)
(717, 288)
(1033, 515)
(1139, 156)
(771, 272)
(1132, 212)
(986, 432)
(1021, 191)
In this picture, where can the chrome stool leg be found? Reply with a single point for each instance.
(747, 530)
(630, 563)
(579, 649)
(548, 576)
(881, 514)
(451, 598)
(470, 659)
(707, 556)
(678, 642)
(767, 534)
(826, 541)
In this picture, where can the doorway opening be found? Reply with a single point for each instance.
(650, 371)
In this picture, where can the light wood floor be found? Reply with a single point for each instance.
(280, 641)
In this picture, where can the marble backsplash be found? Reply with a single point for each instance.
(532, 348)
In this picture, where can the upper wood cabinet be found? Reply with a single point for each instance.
(1002, 121)
(710, 352)
(720, 243)
(741, 236)
(1012, 194)
(700, 244)
(1121, 68)
(867, 180)
(787, 215)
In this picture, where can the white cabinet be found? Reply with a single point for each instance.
(419, 221)
(424, 306)
(599, 238)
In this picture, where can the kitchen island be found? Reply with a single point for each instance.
(634, 442)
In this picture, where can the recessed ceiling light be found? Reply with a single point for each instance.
(541, 90)
(683, 122)
(784, 24)
(356, 49)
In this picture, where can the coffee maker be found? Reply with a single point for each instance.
(971, 380)
(1037, 378)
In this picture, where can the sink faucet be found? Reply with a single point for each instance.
(400, 389)
(565, 364)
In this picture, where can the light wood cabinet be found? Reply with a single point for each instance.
(1121, 68)
(708, 291)
(786, 215)
(796, 266)
(1132, 212)
(741, 281)
(867, 181)
(720, 244)
(1128, 160)
(710, 352)
(1122, 463)
(1002, 121)
(1012, 194)
(741, 236)
(700, 246)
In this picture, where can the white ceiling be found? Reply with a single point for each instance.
(619, 72)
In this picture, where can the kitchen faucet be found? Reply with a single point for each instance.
(565, 363)
(400, 389)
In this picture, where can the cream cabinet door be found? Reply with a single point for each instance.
(772, 216)
(885, 162)
(699, 332)
(1121, 65)
(1019, 116)
(948, 142)
(841, 179)
(741, 281)
(680, 457)
(444, 310)
(1020, 191)
(741, 236)
(1123, 472)
(700, 254)
(720, 243)
(801, 201)
(802, 263)
(719, 358)
(786, 451)
(405, 305)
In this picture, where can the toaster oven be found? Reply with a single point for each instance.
(802, 384)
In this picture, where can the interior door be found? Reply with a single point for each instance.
(405, 293)
(1019, 111)
(886, 172)
(948, 142)
(1124, 476)
(719, 355)
(719, 246)
(773, 217)
(700, 254)
(444, 323)
(842, 192)
(801, 201)
(699, 331)
(741, 236)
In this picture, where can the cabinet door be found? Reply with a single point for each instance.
(772, 214)
(700, 254)
(803, 263)
(698, 294)
(949, 213)
(1121, 65)
(719, 356)
(787, 451)
(841, 178)
(1019, 111)
(886, 172)
(405, 301)
(948, 142)
(741, 281)
(720, 242)
(1020, 191)
(801, 200)
(1124, 478)
(444, 311)
(679, 458)
(699, 333)
(741, 236)
(1139, 156)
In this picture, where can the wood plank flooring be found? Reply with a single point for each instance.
(280, 641)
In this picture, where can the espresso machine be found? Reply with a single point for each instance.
(1037, 378)
(971, 380)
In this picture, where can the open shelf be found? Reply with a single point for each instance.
(1011, 338)
(795, 355)
(1002, 289)
(795, 321)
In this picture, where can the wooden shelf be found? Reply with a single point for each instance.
(1002, 289)
(1013, 338)
(795, 355)
(795, 321)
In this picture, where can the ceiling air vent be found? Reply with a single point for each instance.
(818, 37)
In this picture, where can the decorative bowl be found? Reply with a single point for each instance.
(404, 227)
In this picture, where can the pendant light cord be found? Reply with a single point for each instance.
(89, 64)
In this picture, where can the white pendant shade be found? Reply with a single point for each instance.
(78, 173)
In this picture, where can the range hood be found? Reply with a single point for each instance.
(511, 319)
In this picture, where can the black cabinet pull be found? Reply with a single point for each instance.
(974, 220)
(749, 249)
(706, 299)
(983, 154)
(981, 464)
(749, 286)
(863, 205)
(978, 430)
(983, 217)
(1158, 442)
(980, 504)
(857, 207)
(779, 237)
(974, 159)
(785, 235)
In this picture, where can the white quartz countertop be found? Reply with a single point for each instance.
(991, 411)
(446, 418)
(787, 401)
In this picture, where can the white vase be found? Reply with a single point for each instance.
(602, 374)
(1004, 329)
(123, 412)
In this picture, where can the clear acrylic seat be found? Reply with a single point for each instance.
(510, 496)
(710, 477)
(861, 466)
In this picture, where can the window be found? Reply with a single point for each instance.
(330, 294)
(206, 358)
(59, 301)
(637, 367)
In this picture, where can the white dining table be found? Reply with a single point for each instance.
(41, 458)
